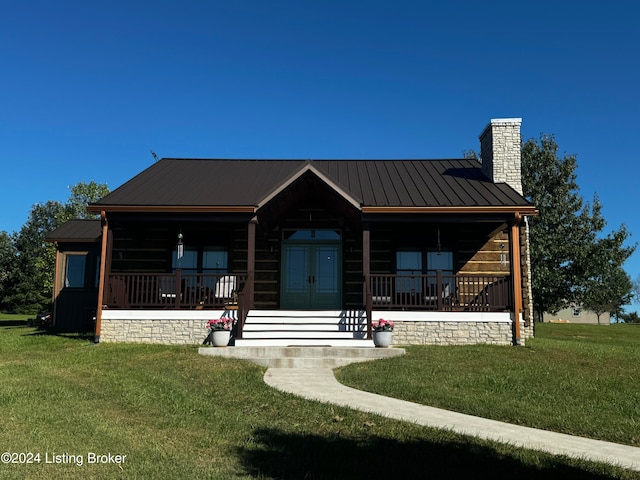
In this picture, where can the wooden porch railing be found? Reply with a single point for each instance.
(244, 305)
(171, 290)
(439, 292)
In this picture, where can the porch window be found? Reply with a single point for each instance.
(417, 262)
(408, 262)
(215, 260)
(188, 262)
(208, 259)
(75, 271)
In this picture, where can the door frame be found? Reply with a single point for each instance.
(312, 243)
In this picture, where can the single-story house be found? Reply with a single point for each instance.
(308, 252)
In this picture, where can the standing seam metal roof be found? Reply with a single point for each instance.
(377, 183)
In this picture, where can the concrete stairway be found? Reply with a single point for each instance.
(285, 328)
(303, 357)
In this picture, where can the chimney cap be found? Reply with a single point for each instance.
(498, 121)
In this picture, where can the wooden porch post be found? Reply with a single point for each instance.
(366, 272)
(103, 262)
(251, 258)
(516, 273)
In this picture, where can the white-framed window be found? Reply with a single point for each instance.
(575, 312)
(75, 270)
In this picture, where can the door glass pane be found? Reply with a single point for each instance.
(312, 235)
(74, 271)
(296, 279)
(326, 270)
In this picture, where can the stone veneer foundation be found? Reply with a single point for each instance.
(174, 327)
(450, 328)
(168, 327)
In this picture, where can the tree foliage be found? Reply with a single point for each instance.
(82, 194)
(27, 262)
(571, 261)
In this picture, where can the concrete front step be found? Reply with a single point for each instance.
(304, 327)
(302, 357)
(315, 341)
(332, 334)
(326, 326)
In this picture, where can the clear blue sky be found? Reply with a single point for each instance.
(88, 88)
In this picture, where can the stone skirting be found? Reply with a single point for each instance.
(174, 327)
(452, 333)
(168, 327)
(469, 328)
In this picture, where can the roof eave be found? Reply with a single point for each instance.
(97, 208)
(521, 209)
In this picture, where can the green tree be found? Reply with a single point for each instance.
(8, 256)
(564, 237)
(607, 287)
(32, 277)
(632, 317)
(82, 194)
(28, 262)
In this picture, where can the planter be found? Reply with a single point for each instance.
(220, 338)
(382, 339)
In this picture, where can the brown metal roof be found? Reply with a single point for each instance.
(76, 231)
(197, 184)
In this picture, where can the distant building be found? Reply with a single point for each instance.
(577, 315)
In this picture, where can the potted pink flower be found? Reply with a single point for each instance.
(382, 332)
(219, 331)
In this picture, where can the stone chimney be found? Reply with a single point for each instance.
(500, 145)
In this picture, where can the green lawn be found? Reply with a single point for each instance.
(576, 379)
(175, 414)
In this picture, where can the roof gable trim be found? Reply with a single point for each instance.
(309, 167)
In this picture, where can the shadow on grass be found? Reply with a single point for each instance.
(33, 331)
(281, 455)
(84, 336)
(15, 323)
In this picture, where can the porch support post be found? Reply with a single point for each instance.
(366, 272)
(251, 258)
(103, 262)
(516, 273)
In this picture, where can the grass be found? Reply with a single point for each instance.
(176, 414)
(575, 379)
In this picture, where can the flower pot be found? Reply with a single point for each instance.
(382, 339)
(220, 338)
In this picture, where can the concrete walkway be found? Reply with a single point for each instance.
(320, 384)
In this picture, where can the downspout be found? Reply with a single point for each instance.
(517, 277)
(103, 256)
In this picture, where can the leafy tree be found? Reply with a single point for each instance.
(607, 287)
(32, 282)
(27, 262)
(569, 262)
(8, 256)
(82, 194)
(632, 317)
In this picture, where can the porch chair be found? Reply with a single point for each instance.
(167, 288)
(446, 293)
(226, 290)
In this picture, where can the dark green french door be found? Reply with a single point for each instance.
(311, 275)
